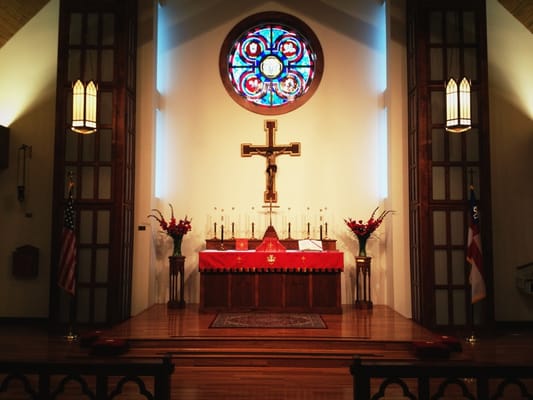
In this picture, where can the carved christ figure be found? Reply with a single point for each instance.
(270, 151)
(271, 170)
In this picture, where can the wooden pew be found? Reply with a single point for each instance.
(435, 379)
(99, 379)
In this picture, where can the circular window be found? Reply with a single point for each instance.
(271, 63)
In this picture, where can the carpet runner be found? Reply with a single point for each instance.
(268, 320)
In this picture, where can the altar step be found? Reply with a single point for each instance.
(186, 335)
(270, 351)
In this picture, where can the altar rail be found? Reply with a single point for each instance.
(101, 379)
(440, 379)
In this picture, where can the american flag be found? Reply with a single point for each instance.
(67, 256)
(474, 254)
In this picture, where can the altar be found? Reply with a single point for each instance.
(291, 280)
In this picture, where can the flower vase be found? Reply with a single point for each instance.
(362, 245)
(177, 245)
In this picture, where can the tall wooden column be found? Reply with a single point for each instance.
(446, 38)
(97, 41)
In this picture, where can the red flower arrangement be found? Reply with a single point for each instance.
(173, 229)
(363, 230)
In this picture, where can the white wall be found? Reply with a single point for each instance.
(510, 57)
(398, 291)
(144, 276)
(28, 68)
(343, 166)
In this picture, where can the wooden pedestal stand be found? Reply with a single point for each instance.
(176, 272)
(362, 282)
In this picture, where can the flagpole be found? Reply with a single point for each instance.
(472, 338)
(68, 279)
(475, 259)
(71, 335)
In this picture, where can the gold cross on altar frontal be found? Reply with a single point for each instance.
(270, 151)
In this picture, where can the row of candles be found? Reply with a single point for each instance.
(323, 231)
(258, 220)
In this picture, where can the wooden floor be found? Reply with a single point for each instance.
(215, 363)
(379, 323)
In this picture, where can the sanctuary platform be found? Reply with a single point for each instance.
(187, 336)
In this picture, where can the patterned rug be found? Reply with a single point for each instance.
(268, 320)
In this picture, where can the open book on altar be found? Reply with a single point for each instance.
(309, 245)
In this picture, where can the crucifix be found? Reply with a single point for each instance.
(270, 151)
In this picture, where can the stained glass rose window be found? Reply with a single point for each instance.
(271, 63)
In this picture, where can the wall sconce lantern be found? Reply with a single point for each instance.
(84, 107)
(458, 115)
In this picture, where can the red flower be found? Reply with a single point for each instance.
(363, 230)
(173, 229)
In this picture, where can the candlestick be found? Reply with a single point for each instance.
(233, 230)
(308, 230)
(253, 231)
(215, 231)
(326, 230)
(320, 232)
(222, 237)
(289, 231)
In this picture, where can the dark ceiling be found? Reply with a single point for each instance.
(522, 10)
(14, 14)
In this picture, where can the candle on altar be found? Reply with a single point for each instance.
(308, 229)
(320, 232)
(221, 233)
(326, 230)
(252, 230)
(289, 231)
(215, 230)
(233, 219)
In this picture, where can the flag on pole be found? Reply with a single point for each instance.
(67, 256)
(474, 254)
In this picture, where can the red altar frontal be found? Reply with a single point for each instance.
(292, 280)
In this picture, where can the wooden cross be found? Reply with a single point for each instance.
(270, 151)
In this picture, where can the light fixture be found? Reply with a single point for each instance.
(84, 107)
(458, 116)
